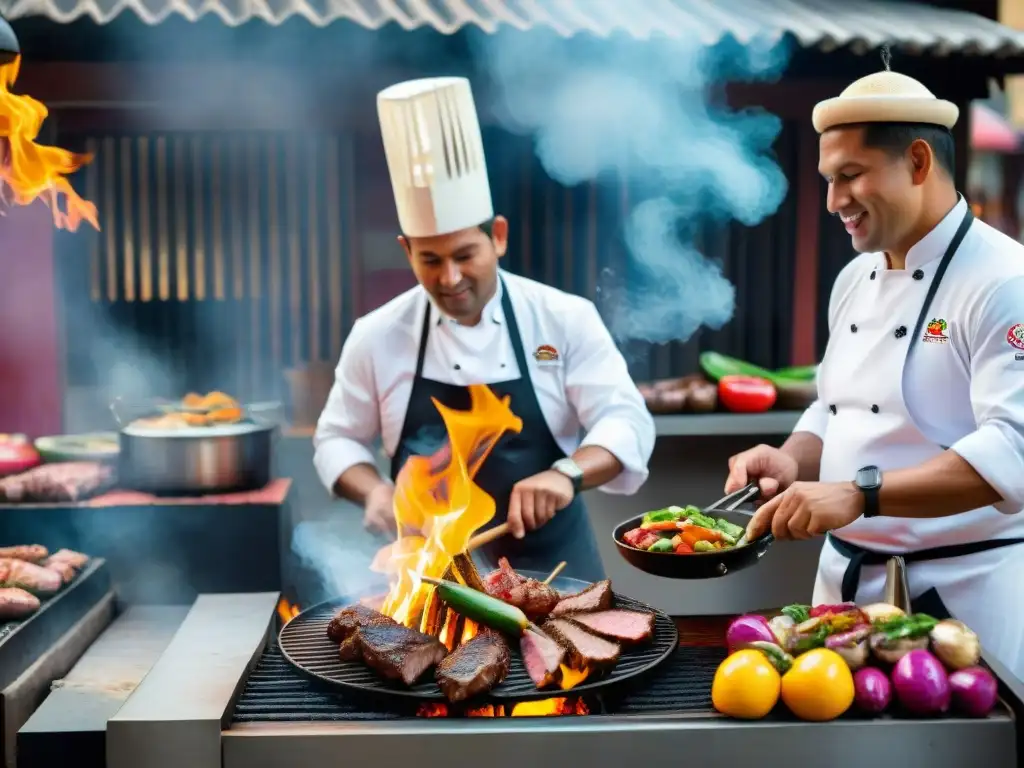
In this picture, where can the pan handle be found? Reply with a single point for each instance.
(737, 498)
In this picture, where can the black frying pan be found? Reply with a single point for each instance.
(700, 565)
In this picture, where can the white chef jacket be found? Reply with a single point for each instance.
(587, 388)
(961, 388)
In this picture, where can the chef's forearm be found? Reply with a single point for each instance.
(599, 465)
(357, 482)
(943, 486)
(805, 448)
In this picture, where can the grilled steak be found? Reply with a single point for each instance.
(349, 619)
(350, 649)
(17, 603)
(399, 653)
(68, 481)
(585, 649)
(32, 553)
(596, 597)
(623, 626)
(474, 667)
(532, 597)
(542, 658)
(28, 576)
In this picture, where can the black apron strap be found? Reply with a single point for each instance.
(514, 336)
(954, 244)
(423, 342)
(859, 557)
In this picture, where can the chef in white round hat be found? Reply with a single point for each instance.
(469, 322)
(916, 443)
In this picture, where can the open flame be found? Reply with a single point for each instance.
(31, 171)
(542, 708)
(287, 611)
(438, 507)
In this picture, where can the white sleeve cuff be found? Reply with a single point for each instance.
(336, 455)
(623, 439)
(999, 458)
(814, 420)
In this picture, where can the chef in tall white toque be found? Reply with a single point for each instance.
(469, 322)
(916, 443)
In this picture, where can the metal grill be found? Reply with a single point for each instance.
(276, 692)
(305, 644)
(23, 641)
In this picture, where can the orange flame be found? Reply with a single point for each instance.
(287, 611)
(32, 171)
(436, 497)
(542, 708)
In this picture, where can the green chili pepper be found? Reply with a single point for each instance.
(481, 607)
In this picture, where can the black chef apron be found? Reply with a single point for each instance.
(568, 535)
(930, 602)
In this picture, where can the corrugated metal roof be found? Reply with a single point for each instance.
(862, 25)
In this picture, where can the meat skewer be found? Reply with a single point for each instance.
(558, 569)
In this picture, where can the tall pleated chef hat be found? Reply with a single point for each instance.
(435, 155)
(884, 97)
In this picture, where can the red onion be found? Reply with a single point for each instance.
(748, 628)
(872, 691)
(974, 691)
(921, 684)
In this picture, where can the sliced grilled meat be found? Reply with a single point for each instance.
(532, 597)
(542, 658)
(617, 624)
(17, 603)
(474, 667)
(349, 619)
(31, 553)
(585, 649)
(31, 577)
(596, 597)
(399, 653)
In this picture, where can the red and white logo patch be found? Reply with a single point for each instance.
(1015, 336)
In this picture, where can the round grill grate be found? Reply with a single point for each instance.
(305, 644)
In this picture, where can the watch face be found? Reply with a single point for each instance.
(869, 478)
(568, 467)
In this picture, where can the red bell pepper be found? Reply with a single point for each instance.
(746, 394)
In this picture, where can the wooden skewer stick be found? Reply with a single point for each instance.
(558, 569)
(487, 537)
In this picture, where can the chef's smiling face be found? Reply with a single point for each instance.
(460, 270)
(877, 195)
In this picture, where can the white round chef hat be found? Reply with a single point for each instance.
(435, 155)
(884, 97)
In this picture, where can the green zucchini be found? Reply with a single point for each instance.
(717, 366)
(798, 373)
(481, 607)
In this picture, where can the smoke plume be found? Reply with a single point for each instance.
(645, 110)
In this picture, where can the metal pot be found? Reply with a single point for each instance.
(197, 460)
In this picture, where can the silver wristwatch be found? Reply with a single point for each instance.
(572, 470)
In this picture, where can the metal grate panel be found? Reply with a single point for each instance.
(305, 643)
(277, 692)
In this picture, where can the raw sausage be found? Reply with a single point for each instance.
(16, 603)
(31, 553)
(33, 578)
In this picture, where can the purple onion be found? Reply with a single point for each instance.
(974, 691)
(921, 684)
(749, 628)
(872, 691)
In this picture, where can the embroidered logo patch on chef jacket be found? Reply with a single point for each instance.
(935, 331)
(545, 354)
(1015, 336)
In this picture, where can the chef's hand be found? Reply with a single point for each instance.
(805, 510)
(379, 510)
(773, 470)
(535, 500)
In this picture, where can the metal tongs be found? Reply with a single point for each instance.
(732, 502)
